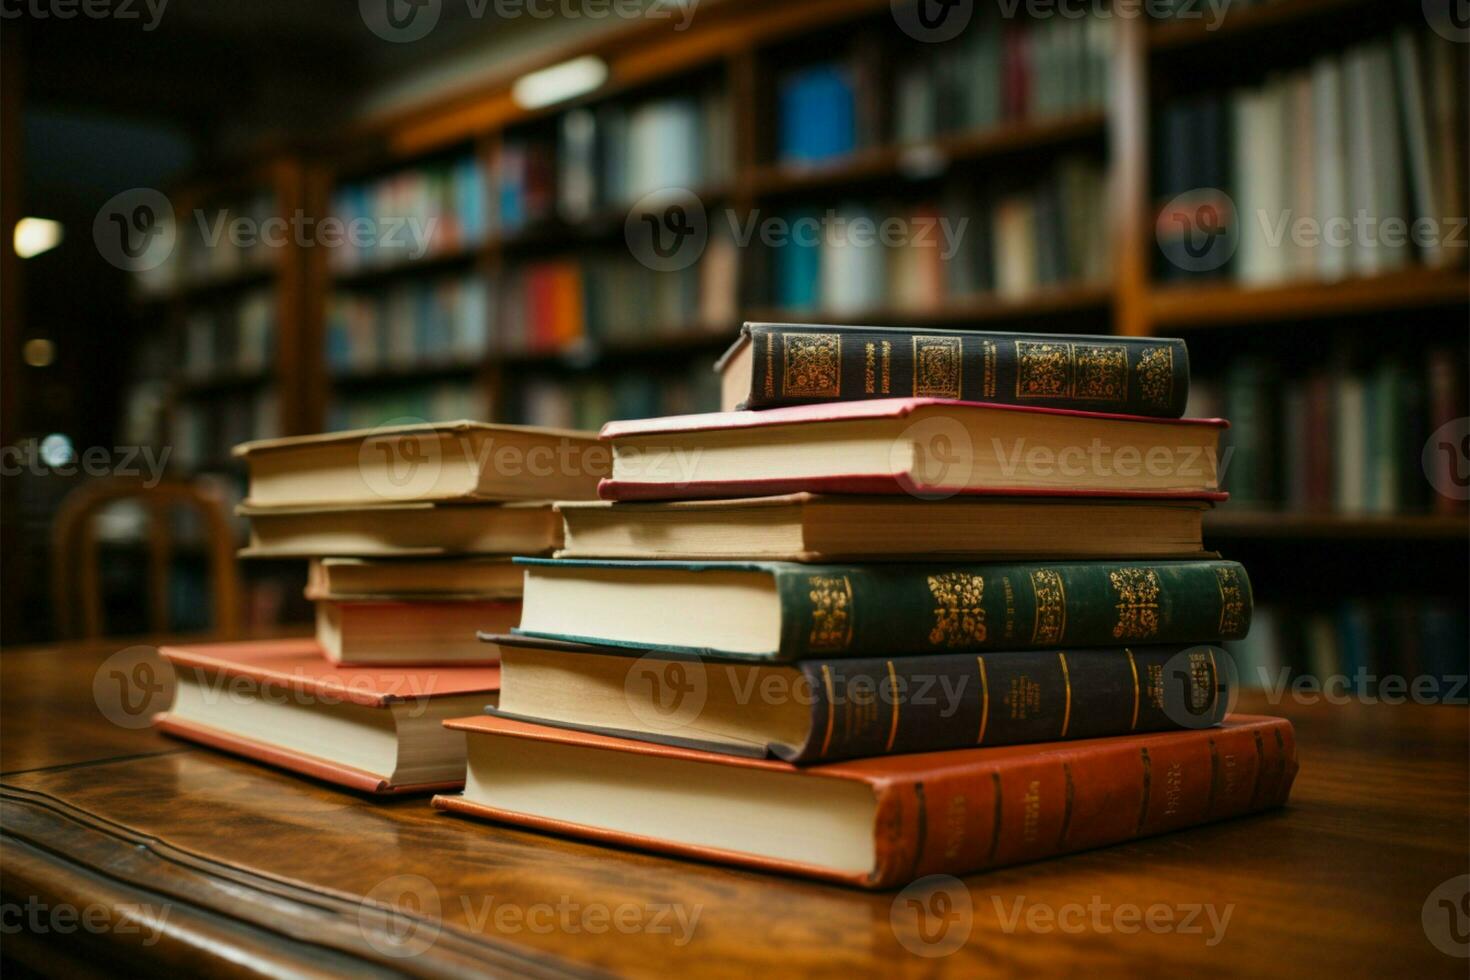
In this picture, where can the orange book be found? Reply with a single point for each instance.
(374, 730)
(879, 822)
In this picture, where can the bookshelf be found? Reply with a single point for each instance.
(910, 145)
(227, 356)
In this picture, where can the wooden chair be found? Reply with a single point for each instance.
(74, 574)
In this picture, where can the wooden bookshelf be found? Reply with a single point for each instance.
(929, 160)
(744, 47)
(1187, 305)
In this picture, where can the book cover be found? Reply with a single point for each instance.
(861, 708)
(955, 812)
(891, 609)
(804, 363)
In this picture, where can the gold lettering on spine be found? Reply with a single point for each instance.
(893, 696)
(1137, 694)
(990, 354)
(1232, 600)
(1067, 684)
(984, 700)
(827, 683)
(831, 599)
(812, 365)
(959, 617)
(870, 373)
(887, 376)
(770, 386)
(1051, 607)
(1138, 602)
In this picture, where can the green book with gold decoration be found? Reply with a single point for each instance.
(785, 611)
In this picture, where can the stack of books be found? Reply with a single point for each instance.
(919, 602)
(409, 530)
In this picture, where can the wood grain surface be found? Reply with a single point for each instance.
(194, 860)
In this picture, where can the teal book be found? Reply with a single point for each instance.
(785, 611)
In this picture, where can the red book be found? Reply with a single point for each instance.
(375, 730)
(929, 447)
(880, 822)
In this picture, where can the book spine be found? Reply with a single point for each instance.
(863, 708)
(883, 610)
(1029, 807)
(796, 365)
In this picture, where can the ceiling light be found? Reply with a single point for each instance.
(559, 82)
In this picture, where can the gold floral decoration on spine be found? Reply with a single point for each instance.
(937, 363)
(1232, 601)
(1156, 376)
(959, 617)
(1043, 369)
(1051, 607)
(1138, 603)
(1101, 372)
(831, 603)
(811, 365)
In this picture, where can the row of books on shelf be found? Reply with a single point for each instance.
(208, 244)
(1340, 438)
(996, 71)
(431, 209)
(609, 156)
(237, 336)
(1351, 165)
(419, 401)
(409, 324)
(201, 430)
(1007, 241)
(1352, 649)
(633, 393)
(609, 296)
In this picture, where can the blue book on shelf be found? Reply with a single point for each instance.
(798, 264)
(818, 113)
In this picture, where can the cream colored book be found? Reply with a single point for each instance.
(436, 461)
(414, 632)
(414, 578)
(818, 527)
(402, 530)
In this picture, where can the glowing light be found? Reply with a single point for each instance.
(559, 82)
(36, 235)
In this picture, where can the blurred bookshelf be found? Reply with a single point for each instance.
(1063, 142)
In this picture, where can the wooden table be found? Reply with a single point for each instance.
(192, 859)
